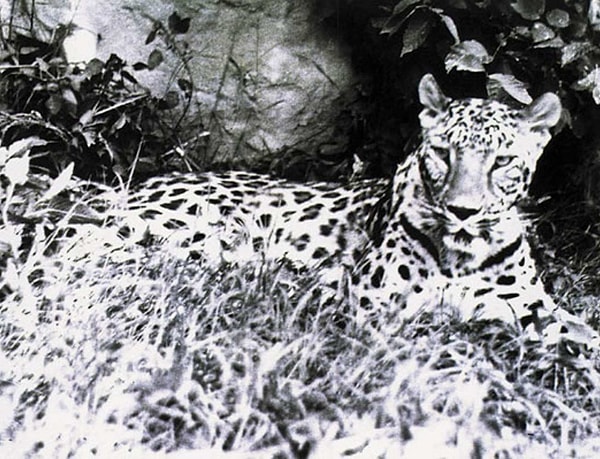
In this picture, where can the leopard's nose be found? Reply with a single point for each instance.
(463, 212)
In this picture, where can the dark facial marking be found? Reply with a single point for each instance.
(377, 277)
(319, 252)
(506, 280)
(404, 272)
(302, 196)
(325, 230)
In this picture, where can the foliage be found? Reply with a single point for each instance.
(548, 45)
(510, 50)
(97, 116)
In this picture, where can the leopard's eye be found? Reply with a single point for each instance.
(442, 153)
(502, 161)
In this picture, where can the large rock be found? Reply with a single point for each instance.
(267, 74)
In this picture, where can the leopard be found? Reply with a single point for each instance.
(445, 233)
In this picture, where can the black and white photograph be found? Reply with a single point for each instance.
(299, 229)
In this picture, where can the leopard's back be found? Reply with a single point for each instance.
(238, 214)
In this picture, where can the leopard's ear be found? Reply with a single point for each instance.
(544, 112)
(432, 98)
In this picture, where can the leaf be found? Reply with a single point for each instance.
(591, 82)
(120, 123)
(594, 14)
(186, 86)
(541, 32)
(70, 101)
(152, 35)
(450, 25)
(89, 137)
(556, 42)
(588, 82)
(155, 59)
(529, 9)
(403, 5)
(128, 76)
(522, 31)
(574, 51)
(416, 33)
(54, 103)
(59, 183)
(17, 170)
(596, 94)
(23, 146)
(558, 18)
(469, 56)
(391, 26)
(115, 63)
(140, 66)
(459, 4)
(94, 67)
(178, 25)
(87, 117)
(499, 85)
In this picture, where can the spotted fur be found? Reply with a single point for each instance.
(445, 233)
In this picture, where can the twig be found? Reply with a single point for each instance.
(122, 104)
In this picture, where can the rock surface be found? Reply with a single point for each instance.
(267, 74)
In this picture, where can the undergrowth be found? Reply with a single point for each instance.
(98, 116)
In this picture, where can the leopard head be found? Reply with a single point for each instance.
(475, 163)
